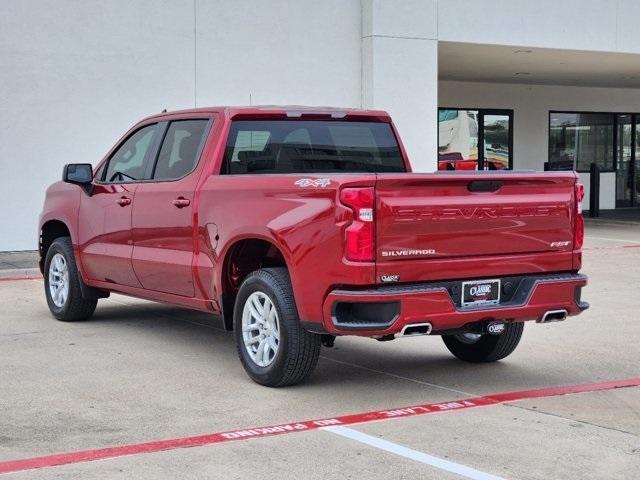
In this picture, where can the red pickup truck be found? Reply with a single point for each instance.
(296, 225)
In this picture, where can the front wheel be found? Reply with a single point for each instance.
(62, 284)
(274, 349)
(478, 348)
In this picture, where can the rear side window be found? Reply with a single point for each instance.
(181, 149)
(130, 162)
(311, 146)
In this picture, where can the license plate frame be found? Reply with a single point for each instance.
(482, 298)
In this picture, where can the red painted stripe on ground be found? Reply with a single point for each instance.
(617, 247)
(307, 425)
(15, 279)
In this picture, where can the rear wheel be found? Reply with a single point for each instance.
(477, 348)
(272, 345)
(62, 284)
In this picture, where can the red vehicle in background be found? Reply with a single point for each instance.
(454, 161)
(297, 225)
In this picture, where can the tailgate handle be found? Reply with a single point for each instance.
(484, 185)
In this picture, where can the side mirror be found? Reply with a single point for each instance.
(80, 174)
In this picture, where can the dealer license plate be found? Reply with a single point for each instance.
(480, 292)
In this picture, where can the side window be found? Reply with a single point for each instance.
(180, 149)
(98, 175)
(129, 163)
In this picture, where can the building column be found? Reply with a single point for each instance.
(400, 72)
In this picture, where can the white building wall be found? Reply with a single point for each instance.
(287, 52)
(400, 72)
(75, 75)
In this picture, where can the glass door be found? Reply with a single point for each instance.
(496, 140)
(475, 139)
(626, 160)
(457, 139)
(636, 164)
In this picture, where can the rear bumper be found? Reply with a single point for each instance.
(386, 309)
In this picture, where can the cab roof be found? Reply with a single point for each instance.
(284, 111)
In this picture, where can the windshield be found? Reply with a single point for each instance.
(297, 146)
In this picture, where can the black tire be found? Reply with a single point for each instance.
(298, 350)
(75, 307)
(489, 348)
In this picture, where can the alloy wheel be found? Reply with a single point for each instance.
(58, 280)
(260, 329)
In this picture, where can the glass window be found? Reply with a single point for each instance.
(180, 149)
(473, 139)
(298, 146)
(446, 115)
(457, 139)
(250, 141)
(625, 161)
(576, 140)
(99, 174)
(496, 141)
(130, 162)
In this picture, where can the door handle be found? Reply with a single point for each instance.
(181, 202)
(124, 201)
(484, 185)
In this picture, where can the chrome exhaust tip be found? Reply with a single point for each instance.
(553, 316)
(415, 329)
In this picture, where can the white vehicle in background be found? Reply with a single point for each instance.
(457, 140)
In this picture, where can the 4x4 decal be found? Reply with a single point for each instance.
(313, 182)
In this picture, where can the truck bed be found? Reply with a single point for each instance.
(457, 225)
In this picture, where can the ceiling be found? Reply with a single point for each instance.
(507, 64)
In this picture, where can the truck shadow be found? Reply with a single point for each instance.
(417, 363)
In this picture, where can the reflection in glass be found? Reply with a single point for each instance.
(578, 139)
(636, 162)
(457, 139)
(496, 142)
(313, 146)
(624, 173)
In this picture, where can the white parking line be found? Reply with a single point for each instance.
(400, 377)
(411, 454)
(590, 237)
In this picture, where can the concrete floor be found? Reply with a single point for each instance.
(139, 371)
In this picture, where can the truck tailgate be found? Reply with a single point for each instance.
(457, 216)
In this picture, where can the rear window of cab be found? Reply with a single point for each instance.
(311, 146)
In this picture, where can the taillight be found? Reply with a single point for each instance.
(579, 197)
(578, 232)
(359, 235)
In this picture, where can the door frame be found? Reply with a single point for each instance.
(633, 162)
(481, 113)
